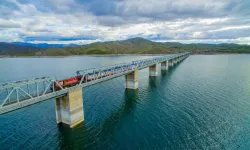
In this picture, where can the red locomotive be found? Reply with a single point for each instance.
(67, 82)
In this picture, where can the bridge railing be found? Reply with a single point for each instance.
(18, 91)
(105, 71)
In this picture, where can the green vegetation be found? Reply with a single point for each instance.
(12, 49)
(136, 46)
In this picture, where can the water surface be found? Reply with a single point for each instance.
(202, 103)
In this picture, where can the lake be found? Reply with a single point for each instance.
(202, 103)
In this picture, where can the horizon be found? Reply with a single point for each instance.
(74, 22)
(32, 44)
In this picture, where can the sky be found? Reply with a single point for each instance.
(88, 21)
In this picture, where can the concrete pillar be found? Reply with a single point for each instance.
(153, 70)
(164, 65)
(131, 80)
(174, 61)
(170, 63)
(69, 108)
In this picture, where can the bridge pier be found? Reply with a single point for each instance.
(170, 63)
(131, 80)
(164, 65)
(69, 108)
(153, 70)
(175, 61)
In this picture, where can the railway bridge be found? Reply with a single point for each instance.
(68, 97)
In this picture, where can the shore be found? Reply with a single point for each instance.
(108, 55)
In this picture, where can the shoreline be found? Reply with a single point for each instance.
(108, 55)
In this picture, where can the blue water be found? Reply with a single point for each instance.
(202, 103)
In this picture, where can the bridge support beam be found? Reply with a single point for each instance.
(153, 70)
(131, 80)
(164, 65)
(69, 108)
(170, 63)
(175, 61)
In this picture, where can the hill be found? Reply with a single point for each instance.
(210, 48)
(12, 49)
(132, 46)
(43, 45)
(143, 46)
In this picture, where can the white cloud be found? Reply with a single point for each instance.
(183, 21)
(230, 28)
(79, 42)
(245, 40)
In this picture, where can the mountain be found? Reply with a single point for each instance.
(44, 45)
(12, 49)
(129, 46)
(143, 46)
(210, 48)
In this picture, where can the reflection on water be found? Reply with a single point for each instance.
(84, 137)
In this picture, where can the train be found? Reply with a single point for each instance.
(87, 77)
(94, 74)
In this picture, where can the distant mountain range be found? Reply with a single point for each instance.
(13, 49)
(44, 45)
(130, 46)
